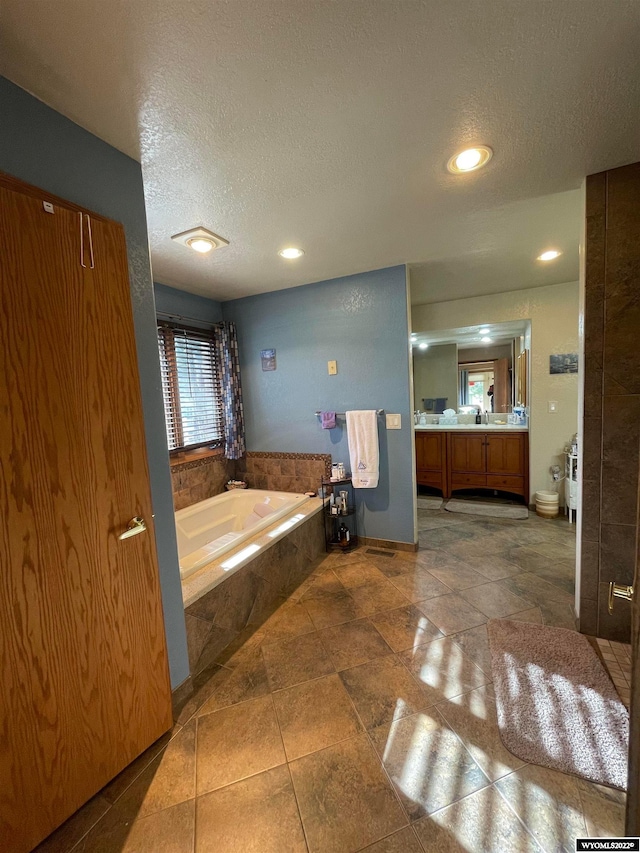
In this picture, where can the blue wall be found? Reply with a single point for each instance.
(41, 147)
(360, 321)
(194, 310)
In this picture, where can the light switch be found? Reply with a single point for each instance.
(333, 367)
(394, 422)
(553, 407)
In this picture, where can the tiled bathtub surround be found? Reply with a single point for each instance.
(284, 472)
(252, 593)
(611, 398)
(200, 479)
(281, 472)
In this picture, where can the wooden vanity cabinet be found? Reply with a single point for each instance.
(489, 460)
(451, 460)
(431, 459)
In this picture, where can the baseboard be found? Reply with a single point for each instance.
(387, 543)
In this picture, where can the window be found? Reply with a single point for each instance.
(190, 386)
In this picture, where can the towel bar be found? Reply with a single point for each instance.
(342, 414)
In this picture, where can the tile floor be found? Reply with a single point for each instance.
(361, 716)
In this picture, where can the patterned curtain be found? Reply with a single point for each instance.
(227, 344)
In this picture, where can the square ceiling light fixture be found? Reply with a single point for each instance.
(200, 240)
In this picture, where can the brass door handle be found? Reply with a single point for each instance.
(135, 526)
(618, 590)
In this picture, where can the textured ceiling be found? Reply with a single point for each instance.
(328, 124)
(468, 337)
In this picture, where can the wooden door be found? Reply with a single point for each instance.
(505, 454)
(85, 685)
(468, 453)
(501, 386)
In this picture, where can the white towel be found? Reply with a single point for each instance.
(362, 433)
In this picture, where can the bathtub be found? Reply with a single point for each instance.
(214, 526)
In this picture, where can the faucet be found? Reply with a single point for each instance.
(486, 417)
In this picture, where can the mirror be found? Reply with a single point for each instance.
(472, 370)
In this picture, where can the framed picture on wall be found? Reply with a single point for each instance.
(268, 357)
(565, 363)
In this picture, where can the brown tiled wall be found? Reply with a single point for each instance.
(286, 472)
(203, 478)
(611, 398)
(282, 472)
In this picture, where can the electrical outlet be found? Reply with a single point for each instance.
(333, 367)
(553, 407)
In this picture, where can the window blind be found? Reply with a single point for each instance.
(190, 386)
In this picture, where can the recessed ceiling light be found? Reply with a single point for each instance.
(291, 253)
(470, 159)
(549, 255)
(424, 346)
(486, 340)
(484, 331)
(200, 244)
(200, 240)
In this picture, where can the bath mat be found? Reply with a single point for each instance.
(487, 508)
(556, 704)
(429, 502)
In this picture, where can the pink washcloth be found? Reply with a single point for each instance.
(328, 420)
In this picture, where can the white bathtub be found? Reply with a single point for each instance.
(214, 526)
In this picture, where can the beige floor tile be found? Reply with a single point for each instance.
(258, 815)
(405, 627)
(353, 643)
(383, 690)
(375, 597)
(604, 819)
(167, 831)
(392, 566)
(556, 550)
(168, 780)
(548, 803)
(494, 600)
(289, 621)
(533, 614)
(473, 718)
(403, 841)
(480, 823)
(443, 669)
(237, 742)
(457, 576)
(451, 613)
(332, 609)
(291, 662)
(315, 715)
(426, 762)
(344, 796)
(247, 681)
(474, 642)
(494, 567)
(352, 575)
(325, 584)
(419, 585)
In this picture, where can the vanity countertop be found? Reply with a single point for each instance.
(471, 427)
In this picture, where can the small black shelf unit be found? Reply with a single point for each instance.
(333, 522)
